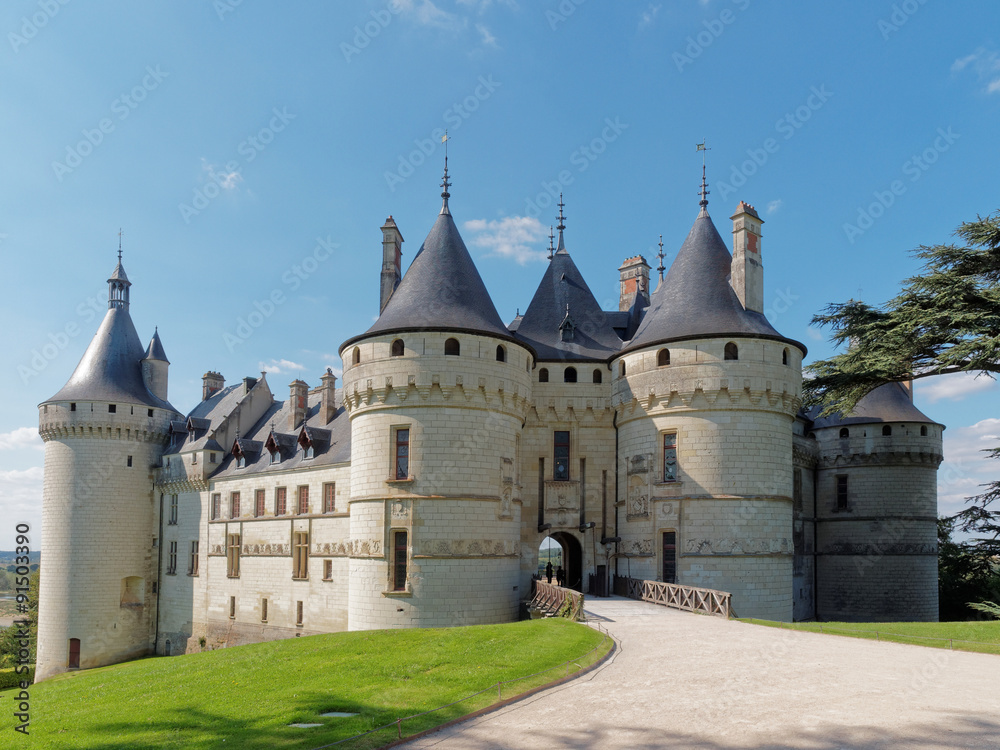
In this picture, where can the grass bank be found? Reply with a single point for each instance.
(981, 636)
(246, 697)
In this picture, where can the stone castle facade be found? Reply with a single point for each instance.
(663, 440)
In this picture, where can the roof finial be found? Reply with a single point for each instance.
(704, 186)
(445, 195)
(119, 245)
(551, 238)
(660, 256)
(562, 223)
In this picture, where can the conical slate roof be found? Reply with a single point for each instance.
(695, 300)
(441, 290)
(155, 349)
(110, 369)
(563, 295)
(887, 403)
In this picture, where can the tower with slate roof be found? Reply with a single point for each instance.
(104, 432)
(436, 390)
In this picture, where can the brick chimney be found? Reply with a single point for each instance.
(392, 261)
(328, 400)
(211, 382)
(634, 273)
(297, 401)
(747, 275)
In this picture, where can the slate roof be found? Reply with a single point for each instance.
(441, 290)
(696, 300)
(563, 288)
(155, 349)
(110, 369)
(887, 403)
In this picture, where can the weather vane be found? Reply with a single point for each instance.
(704, 185)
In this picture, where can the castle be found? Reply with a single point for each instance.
(663, 440)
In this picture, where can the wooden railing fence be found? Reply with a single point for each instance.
(552, 601)
(688, 598)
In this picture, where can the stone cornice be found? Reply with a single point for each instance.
(102, 430)
(900, 458)
(451, 390)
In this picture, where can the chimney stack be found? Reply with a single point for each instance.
(297, 400)
(747, 274)
(211, 383)
(634, 273)
(328, 401)
(392, 261)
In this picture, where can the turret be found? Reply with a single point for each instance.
(154, 367)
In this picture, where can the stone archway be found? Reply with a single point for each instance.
(572, 555)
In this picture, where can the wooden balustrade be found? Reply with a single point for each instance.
(688, 598)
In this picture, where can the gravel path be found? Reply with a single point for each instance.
(682, 680)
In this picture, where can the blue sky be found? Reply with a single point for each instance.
(248, 148)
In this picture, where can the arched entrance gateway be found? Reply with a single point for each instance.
(572, 558)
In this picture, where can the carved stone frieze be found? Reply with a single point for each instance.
(739, 546)
(468, 548)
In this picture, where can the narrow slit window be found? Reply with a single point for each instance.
(560, 447)
(670, 457)
(402, 453)
(399, 561)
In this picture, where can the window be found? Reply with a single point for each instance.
(112, 408)
(172, 559)
(356, 357)
(328, 570)
(663, 358)
(233, 555)
(280, 505)
(149, 412)
(329, 497)
(501, 354)
(263, 610)
(276, 456)
(232, 608)
(452, 347)
(258, 503)
(216, 505)
(886, 431)
(300, 554)
(543, 375)
(234, 505)
(621, 369)
(569, 375)
(72, 407)
(193, 564)
(597, 375)
(560, 441)
(670, 557)
(399, 561)
(302, 506)
(173, 511)
(670, 457)
(784, 356)
(844, 432)
(211, 458)
(842, 492)
(298, 612)
(74, 653)
(397, 348)
(731, 352)
(923, 431)
(308, 451)
(194, 459)
(128, 461)
(241, 461)
(402, 453)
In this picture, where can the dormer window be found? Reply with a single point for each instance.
(241, 461)
(276, 457)
(309, 451)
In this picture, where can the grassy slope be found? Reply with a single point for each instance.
(245, 697)
(957, 635)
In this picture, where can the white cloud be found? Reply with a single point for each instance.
(226, 180)
(21, 490)
(953, 387)
(426, 13)
(488, 39)
(814, 333)
(774, 206)
(966, 467)
(279, 366)
(962, 62)
(509, 237)
(647, 16)
(994, 87)
(22, 437)
(985, 63)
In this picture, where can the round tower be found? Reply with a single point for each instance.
(436, 390)
(876, 510)
(705, 395)
(103, 432)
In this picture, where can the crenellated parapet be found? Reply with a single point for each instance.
(94, 421)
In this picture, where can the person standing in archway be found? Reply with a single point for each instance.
(560, 576)
(548, 571)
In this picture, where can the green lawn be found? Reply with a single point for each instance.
(982, 636)
(246, 697)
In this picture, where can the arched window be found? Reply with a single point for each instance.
(597, 375)
(501, 354)
(784, 356)
(397, 348)
(923, 431)
(569, 375)
(886, 430)
(451, 347)
(731, 351)
(663, 358)
(356, 359)
(543, 375)
(621, 369)
(844, 432)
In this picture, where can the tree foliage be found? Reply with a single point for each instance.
(9, 646)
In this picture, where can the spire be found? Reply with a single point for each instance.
(704, 185)
(118, 284)
(445, 195)
(660, 256)
(551, 238)
(562, 224)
